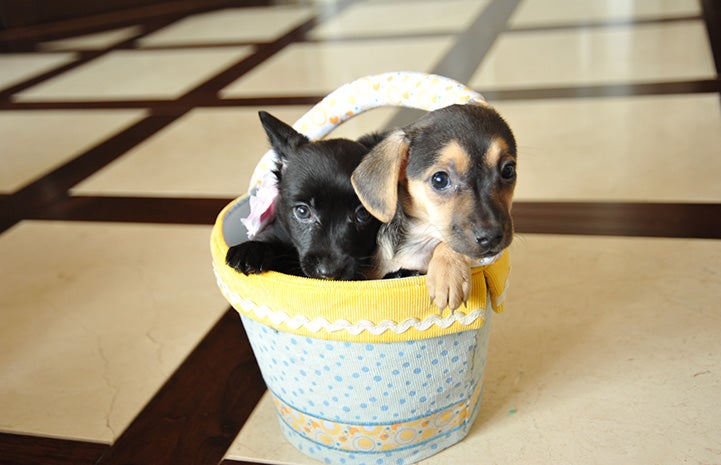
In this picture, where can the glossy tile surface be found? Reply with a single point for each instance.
(26, 156)
(95, 318)
(555, 12)
(137, 75)
(318, 68)
(391, 18)
(99, 40)
(611, 356)
(618, 148)
(17, 67)
(644, 53)
(230, 25)
(185, 158)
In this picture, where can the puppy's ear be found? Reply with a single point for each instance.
(375, 180)
(283, 138)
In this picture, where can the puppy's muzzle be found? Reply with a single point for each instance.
(482, 240)
(489, 238)
(323, 267)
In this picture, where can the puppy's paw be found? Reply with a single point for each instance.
(449, 278)
(250, 257)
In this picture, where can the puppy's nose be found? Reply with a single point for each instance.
(325, 271)
(489, 238)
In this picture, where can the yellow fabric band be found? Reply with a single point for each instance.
(360, 311)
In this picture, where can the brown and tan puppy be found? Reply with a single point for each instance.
(443, 188)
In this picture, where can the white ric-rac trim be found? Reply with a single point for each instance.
(318, 324)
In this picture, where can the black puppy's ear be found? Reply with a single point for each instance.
(283, 138)
(375, 180)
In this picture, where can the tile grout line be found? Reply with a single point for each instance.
(712, 16)
(48, 211)
(40, 193)
(24, 38)
(612, 218)
(660, 88)
(200, 409)
(18, 449)
(84, 58)
(607, 24)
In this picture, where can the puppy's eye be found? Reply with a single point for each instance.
(508, 171)
(361, 215)
(440, 181)
(303, 213)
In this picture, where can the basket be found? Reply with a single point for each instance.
(364, 372)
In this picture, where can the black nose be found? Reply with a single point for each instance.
(327, 271)
(489, 238)
(331, 267)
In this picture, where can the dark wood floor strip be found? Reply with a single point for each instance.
(159, 210)
(41, 193)
(212, 86)
(712, 15)
(697, 220)
(175, 107)
(23, 39)
(684, 220)
(235, 462)
(199, 411)
(165, 106)
(18, 449)
(83, 58)
(701, 86)
(614, 23)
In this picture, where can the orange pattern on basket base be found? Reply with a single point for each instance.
(378, 437)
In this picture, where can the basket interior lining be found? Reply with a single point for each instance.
(234, 232)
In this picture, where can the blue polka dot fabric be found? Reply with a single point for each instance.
(380, 403)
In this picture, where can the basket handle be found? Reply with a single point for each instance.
(399, 89)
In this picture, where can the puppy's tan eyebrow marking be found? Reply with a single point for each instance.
(493, 155)
(454, 155)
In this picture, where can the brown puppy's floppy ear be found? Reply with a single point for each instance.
(376, 179)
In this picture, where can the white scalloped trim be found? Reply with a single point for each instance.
(262, 312)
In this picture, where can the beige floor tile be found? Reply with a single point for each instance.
(540, 12)
(607, 352)
(208, 153)
(137, 74)
(421, 17)
(637, 149)
(95, 318)
(318, 68)
(96, 41)
(261, 439)
(35, 142)
(644, 53)
(18, 67)
(231, 25)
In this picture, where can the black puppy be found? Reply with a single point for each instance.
(320, 229)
